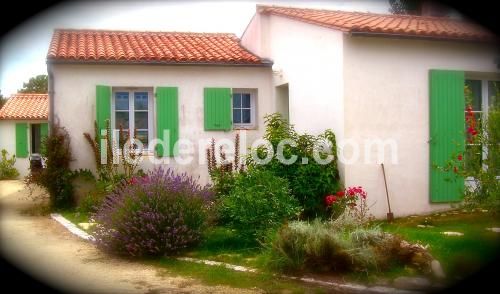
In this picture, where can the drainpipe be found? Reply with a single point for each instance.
(51, 84)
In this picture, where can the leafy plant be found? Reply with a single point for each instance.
(126, 153)
(223, 174)
(310, 182)
(57, 177)
(156, 214)
(259, 201)
(7, 169)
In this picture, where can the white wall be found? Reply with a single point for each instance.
(8, 142)
(386, 97)
(75, 100)
(309, 59)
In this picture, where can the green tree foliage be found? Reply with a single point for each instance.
(38, 84)
(3, 100)
(405, 6)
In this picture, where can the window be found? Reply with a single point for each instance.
(480, 95)
(132, 111)
(244, 108)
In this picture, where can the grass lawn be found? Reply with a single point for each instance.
(459, 255)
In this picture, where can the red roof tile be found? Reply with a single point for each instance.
(371, 23)
(26, 106)
(148, 47)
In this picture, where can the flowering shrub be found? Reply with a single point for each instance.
(479, 162)
(156, 214)
(352, 198)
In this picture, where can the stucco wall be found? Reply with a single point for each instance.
(309, 59)
(8, 142)
(386, 97)
(75, 100)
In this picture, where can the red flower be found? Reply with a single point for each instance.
(340, 194)
(330, 199)
(459, 157)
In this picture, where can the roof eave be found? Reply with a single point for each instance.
(264, 63)
(420, 37)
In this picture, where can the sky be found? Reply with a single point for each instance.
(24, 48)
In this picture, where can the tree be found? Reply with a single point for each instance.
(38, 84)
(3, 100)
(405, 6)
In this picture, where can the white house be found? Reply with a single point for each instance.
(377, 78)
(388, 80)
(23, 124)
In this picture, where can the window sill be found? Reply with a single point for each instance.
(242, 128)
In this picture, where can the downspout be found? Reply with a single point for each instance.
(51, 84)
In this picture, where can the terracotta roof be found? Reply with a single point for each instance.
(372, 23)
(149, 47)
(26, 106)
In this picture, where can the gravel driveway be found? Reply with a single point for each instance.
(43, 248)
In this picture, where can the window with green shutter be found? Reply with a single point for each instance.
(167, 119)
(447, 136)
(44, 133)
(103, 107)
(22, 140)
(217, 109)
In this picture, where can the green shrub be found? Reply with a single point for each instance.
(94, 199)
(309, 183)
(259, 201)
(7, 169)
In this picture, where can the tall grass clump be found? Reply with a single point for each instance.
(153, 215)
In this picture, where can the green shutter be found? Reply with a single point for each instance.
(447, 124)
(167, 118)
(102, 107)
(21, 140)
(44, 133)
(217, 106)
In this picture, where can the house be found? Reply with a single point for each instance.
(395, 82)
(173, 86)
(381, 82)
(23, 124)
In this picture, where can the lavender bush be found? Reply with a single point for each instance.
(157, 214)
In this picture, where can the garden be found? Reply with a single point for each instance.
(277, 219)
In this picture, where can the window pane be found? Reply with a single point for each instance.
(141, 120)
(245, 99)
(237, 116)
(493, 92)
(121, 118)
(143, 137)
(141, 101)
(237, 100)
(474, 96)
(246, 116)
(121, 100)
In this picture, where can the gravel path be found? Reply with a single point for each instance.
(43, 248)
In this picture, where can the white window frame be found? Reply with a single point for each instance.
(253, 109)
(131, 111)
(485, 106)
